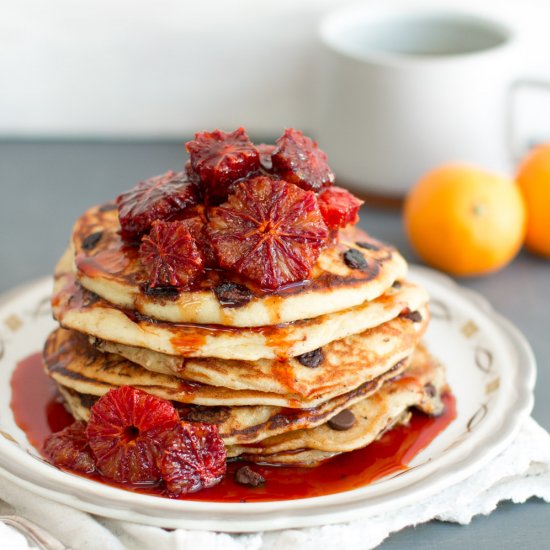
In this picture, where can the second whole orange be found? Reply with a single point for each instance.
(464, 220)
(534, 181)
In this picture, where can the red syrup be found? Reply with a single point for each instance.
(38, 411)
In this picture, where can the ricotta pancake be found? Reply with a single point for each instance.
(236, 424)
(72, 361)
(109, 267)
(421, 386)
(282, 436)
(335, 368)
(78, 309)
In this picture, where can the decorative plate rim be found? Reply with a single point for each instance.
(429, 478)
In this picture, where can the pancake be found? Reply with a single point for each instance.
(78, 309)
(342, 364)
(236, 424)
(72, 361)
(421, 386)
(376, 408)
(111, 269)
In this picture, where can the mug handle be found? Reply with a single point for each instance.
(523, 83)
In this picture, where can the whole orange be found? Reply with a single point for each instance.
(534, 181)
(464, 220)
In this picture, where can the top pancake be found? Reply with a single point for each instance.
(111, 269)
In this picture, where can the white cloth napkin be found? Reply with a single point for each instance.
(518, 473)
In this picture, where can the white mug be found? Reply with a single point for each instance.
(403, 91)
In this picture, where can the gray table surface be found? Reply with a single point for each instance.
(46, 185)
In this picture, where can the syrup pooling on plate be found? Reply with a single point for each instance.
(40, 413)
(35, 401)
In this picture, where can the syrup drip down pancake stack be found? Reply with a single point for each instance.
(241, 291)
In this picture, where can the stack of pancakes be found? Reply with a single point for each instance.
(290, 377)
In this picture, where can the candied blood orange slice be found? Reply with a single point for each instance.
(191, 457)
(123, 432)
(170, 256)
(221, 158)
(159, 198)
(269, 231)
(69, 449)
(196, 224)
(299, 160)
(339, 207)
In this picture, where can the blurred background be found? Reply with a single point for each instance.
(142, 70)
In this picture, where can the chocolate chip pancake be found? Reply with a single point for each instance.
(108, 266)
(78, 309)
(282, 435)
(325, 372)
(421, 386)
(236, 424)
(338, 368)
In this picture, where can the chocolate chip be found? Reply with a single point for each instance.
(311, 359)
(107, 207)
(210, 415)
(91, 240)
(414, 316)
(137, 317)
(89, 299)
(367, 245)
(397, 285)
(354, 259)
(343, 421)
(170, 292)
(232, 294)
(430, 390)
(247, 476)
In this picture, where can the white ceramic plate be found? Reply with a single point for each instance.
(491, 371)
